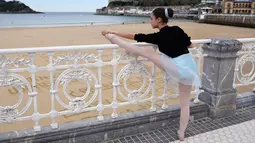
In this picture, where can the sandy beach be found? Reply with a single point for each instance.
(91, 35)
(63, 36)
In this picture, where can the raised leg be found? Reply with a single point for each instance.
(148, 53)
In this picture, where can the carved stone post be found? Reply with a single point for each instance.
(218, 75)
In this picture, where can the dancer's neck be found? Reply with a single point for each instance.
(161, 26)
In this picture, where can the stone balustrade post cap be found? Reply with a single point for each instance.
(223, 45)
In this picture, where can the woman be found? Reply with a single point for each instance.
(174, 59)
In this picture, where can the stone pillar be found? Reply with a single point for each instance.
(218, 76)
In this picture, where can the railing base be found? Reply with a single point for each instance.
(126, 124)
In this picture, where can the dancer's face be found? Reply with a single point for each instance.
(154, 21)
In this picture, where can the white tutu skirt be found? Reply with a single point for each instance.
(182, 69)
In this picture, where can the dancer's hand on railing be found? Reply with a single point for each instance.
(191, 46)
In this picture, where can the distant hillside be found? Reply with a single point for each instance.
(14, 7)
(145, 3)
(2, 1)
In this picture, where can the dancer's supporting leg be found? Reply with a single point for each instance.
(184, 91)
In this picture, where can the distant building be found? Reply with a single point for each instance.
(239, 7)
(109, 1)
(208, 1)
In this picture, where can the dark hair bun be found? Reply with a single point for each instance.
(170, 12)
(163, 13)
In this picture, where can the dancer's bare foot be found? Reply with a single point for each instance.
(108, 32)
(110, 37)
(180, 136)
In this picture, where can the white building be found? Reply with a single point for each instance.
(209, 1)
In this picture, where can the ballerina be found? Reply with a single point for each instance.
(174, 57)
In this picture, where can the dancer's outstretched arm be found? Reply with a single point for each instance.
(152, 38)
(121, 34)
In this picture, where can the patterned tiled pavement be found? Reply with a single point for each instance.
(237, 129)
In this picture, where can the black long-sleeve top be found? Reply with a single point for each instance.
(171, 40)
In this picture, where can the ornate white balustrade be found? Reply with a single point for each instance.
(244, 69)
(77, 64)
